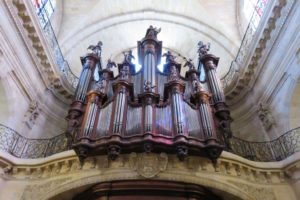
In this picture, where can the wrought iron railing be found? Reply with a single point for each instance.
(55, 48)
(22, 147)
(275, 150)
(247, 40)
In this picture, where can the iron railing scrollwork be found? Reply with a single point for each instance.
(275, 150)
(22, 147)
(247, 40)
(55, 48)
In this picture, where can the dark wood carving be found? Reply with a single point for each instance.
(149, 110)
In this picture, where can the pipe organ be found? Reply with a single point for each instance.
(149, 110)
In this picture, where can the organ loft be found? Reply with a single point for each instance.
(149, 110)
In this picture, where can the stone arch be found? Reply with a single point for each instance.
(220, 187)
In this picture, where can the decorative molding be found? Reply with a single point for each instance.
(266, 117)
(62, 173)
(32, 114)
(148, 165)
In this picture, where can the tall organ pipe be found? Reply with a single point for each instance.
(206, 116)
(89, 63)
(213, 81)
(149, 68)
(178, 113)
(119, 111)
(149, 79)
(91, 113)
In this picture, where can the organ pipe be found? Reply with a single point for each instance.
(210, 63)
(119, 111)
(89, 63)
(206, 116)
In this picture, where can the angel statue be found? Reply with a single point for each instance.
(110, 64)
(97, 49)
(128, 57)
(152, 32)
(169, 57)
(203, 48)
(189, 63)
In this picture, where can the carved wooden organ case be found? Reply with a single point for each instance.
(149, 110)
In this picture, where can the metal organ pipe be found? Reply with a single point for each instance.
(213, 81)
(149, 68)
(119, 111)
(178, 112)
(148, 118)
(90, 116)
(85, 78)
(206, 116)
(149, 82)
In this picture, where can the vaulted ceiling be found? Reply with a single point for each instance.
(120, 24)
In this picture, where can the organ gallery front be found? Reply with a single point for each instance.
(149, 111)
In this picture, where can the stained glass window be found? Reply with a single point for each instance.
(44, 9)
(254, 10)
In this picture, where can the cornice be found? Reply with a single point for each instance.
(243, 79)
(227, 165)
(63, 172)
(37, 47)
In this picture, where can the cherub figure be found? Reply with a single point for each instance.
(197, 87)
(148, 86)
(97, 49)
(100, 86)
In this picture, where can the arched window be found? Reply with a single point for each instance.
(253, 10)
(44, 9)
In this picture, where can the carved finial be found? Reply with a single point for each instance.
(152, 32)
(203, 48)
(97, 49)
